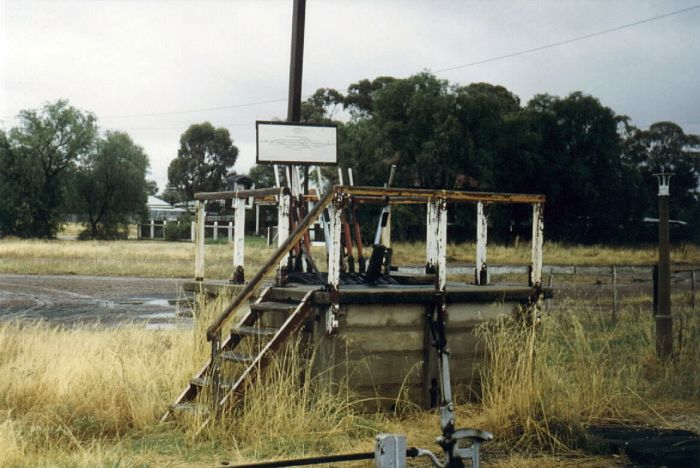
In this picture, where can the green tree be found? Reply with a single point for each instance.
(37, 158)
(203, 161)
(262, 175)
(151, 187)
(582, 171)
(111, 187)
(665, 147)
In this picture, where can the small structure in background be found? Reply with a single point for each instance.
(159, 210)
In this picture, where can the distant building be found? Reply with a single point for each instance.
(159, 210)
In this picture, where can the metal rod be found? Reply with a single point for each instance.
(310, 460)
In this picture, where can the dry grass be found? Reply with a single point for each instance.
(546, 382)
(554, 253)
(176, 259)
(89, 396)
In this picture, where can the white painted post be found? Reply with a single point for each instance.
(321, 190)
(257, 219)
(164, 223)
(216, 229)
(200, 214)
(230, 231)
(239, 234)
(192, 231)
(431, 252)
(277, 175)
(386, 231)
(334, 257)
(481, 242)
(153, 229)
(537, 241)
(283, 221)
(441, 242)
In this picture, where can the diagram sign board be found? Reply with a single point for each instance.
(295, 143)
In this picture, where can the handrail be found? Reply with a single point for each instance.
(369, 194)
(256, 193)
(281, 251)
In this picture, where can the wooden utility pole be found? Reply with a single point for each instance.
(664, 320)
(296, 64)
(296, 67)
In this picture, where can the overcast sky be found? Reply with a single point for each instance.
(152, 68)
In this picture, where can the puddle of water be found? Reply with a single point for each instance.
(158, 303)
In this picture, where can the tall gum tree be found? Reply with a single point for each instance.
(37, 158)
(203, 161)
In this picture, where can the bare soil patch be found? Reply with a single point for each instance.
(90, 300)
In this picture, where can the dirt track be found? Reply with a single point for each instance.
(74, 300)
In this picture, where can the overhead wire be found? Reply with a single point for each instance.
(568, 41)
(442, 70)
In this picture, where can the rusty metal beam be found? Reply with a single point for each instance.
(368, 194)
(228, 194)
(215, 328)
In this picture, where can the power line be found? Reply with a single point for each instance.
(456, 67)
(568, 41)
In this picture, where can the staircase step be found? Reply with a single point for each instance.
(203, 382)
(286, 294)
(237, 357)
(271, 306)
(254, 331)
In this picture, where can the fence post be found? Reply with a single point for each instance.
(200, 214)
(239, 241)
(216, 230)
(441, 241)
(257, 219)
(153, 229)
(692, 290)
(655, 293)
(230, 231)
(192, 231)
(283, 222)
(430, 238)
(335, 211)
(614, 294)
(481, 275)
(164, 223)
(537, 240)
